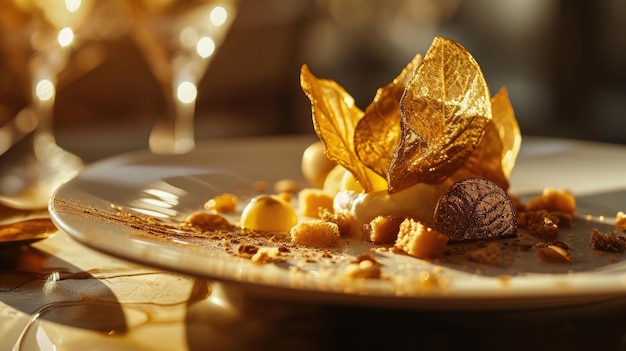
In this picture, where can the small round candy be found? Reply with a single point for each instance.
(267, 213)
(315, 164)
(475, 209)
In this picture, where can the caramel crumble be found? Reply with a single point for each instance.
(609, 242)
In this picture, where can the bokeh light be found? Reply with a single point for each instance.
(44, 90)
(66, 36)
(186, 92)
(205, 47)
(218, 16)
(72, 5)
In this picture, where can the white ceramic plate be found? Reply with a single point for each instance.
(171, 187)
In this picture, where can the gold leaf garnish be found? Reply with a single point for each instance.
(497, 151)
(377, 133)
(436, 116)
(504, 119)
(445, 109)
(335, 117)
(485, 161)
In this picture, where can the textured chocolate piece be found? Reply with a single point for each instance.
(475, 209)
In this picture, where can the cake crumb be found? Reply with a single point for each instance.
(490, 254)
(554, 254)
(364, 269)
(505, 279)
(342, 221)
(260, 186)
(316, 233)
(541, 224)
(429, 280)
(383, 229)
(224, 203)
(554, 201)
(247, 250)
(311, 201)
(418, 240)
(207, 221)
(609, 242)
(364, 257)
(267, 255)
(286, 186)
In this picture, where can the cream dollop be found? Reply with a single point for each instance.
(417, 202)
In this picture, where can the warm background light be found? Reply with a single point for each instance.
(44, 90)
(66, 36)
(186, 92)
(218, 16)
(563, 62)
(72, 5)
(205, 47)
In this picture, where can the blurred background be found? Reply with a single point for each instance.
(564, 63)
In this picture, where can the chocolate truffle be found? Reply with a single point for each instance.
(475, 209)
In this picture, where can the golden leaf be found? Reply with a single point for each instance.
(486, 159)
(497, 151)
(377, 133)
(508, 129)
(445, 109)
(335, 117)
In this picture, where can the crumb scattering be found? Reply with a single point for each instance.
(609, 242)
(267, 255)
(553, 200)
(312, 201)
(420, 241)
(286, 186)
(383, 229)
(490, 254)
(224, 203)
(316, 233)
(208, 221)
(541, 224)
(342, 221)
(364, 269)
(554, 254)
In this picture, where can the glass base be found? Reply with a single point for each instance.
(32, 170)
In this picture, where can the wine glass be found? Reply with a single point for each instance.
(37, 36)
(179, 39)
(43, 41)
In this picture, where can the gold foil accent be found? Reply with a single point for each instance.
(335, 117)
(508, 129)
(445, 109)
(377, 133)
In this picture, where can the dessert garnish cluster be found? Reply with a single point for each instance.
(422, 171)
(433, 123)
(425, 165)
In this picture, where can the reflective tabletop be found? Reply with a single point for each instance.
(57, 294)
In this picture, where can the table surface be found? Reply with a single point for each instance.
(59, 295)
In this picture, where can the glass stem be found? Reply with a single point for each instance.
(184, 126)
(173, 132)
(43, 99)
